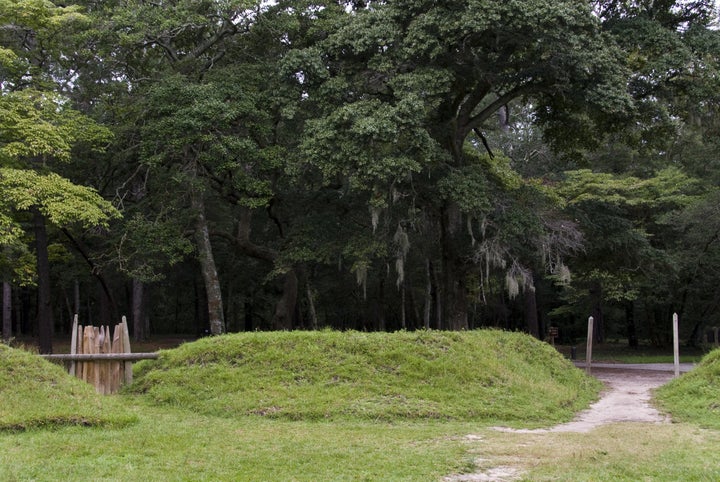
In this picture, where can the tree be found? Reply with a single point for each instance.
(50, 198)
(628, 255)
(206, 129)
(39, 131)
(404, 89)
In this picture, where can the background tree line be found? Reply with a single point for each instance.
(211, 166)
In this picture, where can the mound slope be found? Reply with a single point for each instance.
(35, 393)
(695, 396)
(484, 375)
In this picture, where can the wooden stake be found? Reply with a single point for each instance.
(73, 344)
(92, 357)
(588, 351)
(116, 366)
(107, 373)
(126, 349)
(97, 369)
(88, 344)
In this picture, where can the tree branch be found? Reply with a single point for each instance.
(475, 121)
(242, 240)
(485, 142)
(82, 249)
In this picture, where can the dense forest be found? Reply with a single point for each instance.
(210, 166)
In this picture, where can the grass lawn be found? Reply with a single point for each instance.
(334, 407)
(622, 353)
(178, 445)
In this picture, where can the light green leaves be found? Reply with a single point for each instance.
(669, 188)
(62, 202)
(36, 127)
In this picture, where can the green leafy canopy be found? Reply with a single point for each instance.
(62, 202)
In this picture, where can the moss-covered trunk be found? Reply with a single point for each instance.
(216, 316)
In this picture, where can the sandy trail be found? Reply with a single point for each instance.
(626, 398)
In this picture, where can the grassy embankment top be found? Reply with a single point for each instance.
(35, 393)
(695, 397)
(484, 375)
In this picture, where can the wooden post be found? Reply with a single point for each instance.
(87, 367)
(126, 349)
(79, 349)
(97, 367)
(107, 369)
(676, 344)
(100, 378)
(73, 344)
(115, 366)
(588, 352)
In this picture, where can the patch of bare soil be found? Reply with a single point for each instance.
(626, 398)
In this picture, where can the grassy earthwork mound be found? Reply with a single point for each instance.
(35, 393)
(484, 375)
(695, 396)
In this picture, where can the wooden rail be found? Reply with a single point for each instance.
(101, 358)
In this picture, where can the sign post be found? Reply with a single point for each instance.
(588, 351)
(676, 345)
(553, 333)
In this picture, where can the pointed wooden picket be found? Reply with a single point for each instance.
(101, 357)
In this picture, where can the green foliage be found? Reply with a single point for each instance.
(38, 126)
(35, 37)
(149, 246)
(39, 14)
(368, 141)
(220, 125)
(623, 219)
(694, 396)
(37, 394)
(346, 136)
(62, 202)
(695, 249)
(482, 376)
(469, 188)
(668, 189)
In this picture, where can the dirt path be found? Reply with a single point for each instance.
(626, 398)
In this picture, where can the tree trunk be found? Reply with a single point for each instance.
(531, 313)
(427, 308)
(248, 316)
(44, 301)
(630, 323)
(596, 295)
(437, 297)
(7, 311)
(311, 306)
(230, 318)
(403, 314)
(21, 309)
(285, 308)
(138, 318)
(455, 301)
(110, 310)
(76, 298)
(207, 266)
(107, 314)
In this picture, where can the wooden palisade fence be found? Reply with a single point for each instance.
(98, 358)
